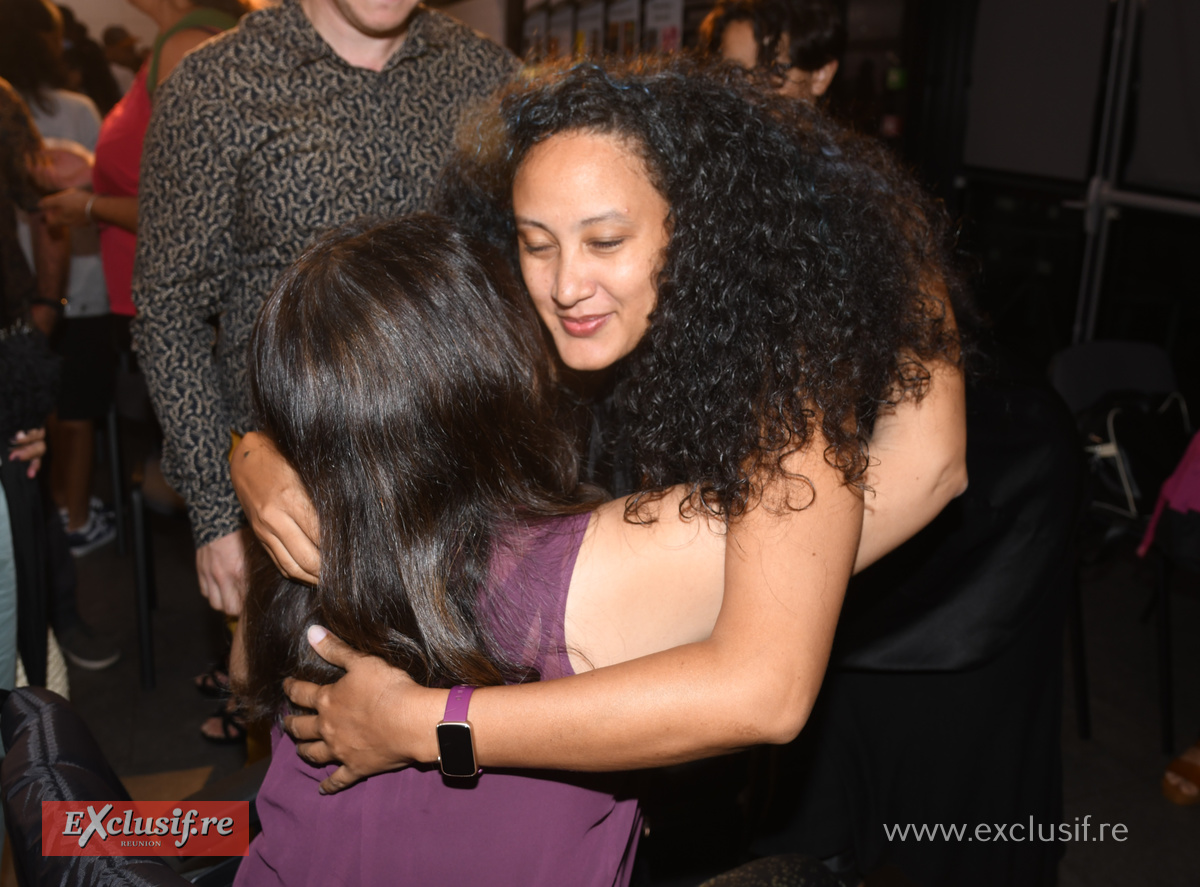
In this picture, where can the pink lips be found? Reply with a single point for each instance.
(583, 327)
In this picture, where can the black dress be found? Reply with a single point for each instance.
(942, 704)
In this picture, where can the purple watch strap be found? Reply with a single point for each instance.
(456, 705)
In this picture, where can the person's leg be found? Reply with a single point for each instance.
(85, 395)
(79, 643)
(72, 442)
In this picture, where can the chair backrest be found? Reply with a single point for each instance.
(1134, 421)
(52, 756)
(1082, 374)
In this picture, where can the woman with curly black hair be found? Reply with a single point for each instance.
(772, 298)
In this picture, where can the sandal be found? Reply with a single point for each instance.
(1186, 769)
(214, 683)
(233, 726)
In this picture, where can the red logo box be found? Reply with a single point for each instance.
(145, 828)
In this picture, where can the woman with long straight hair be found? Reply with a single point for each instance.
(412, 392)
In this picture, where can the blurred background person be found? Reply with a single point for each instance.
(124, 55)
(87, 67)
(31, 42)
(112, 203)
(799, 43)
(44, 573)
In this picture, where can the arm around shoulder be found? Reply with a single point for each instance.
(753, 681)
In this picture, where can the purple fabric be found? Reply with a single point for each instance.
(522, 828)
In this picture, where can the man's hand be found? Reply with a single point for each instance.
(277, 506)
(29, 446)
(221, 568)
(359, 719)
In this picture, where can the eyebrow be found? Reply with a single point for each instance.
(612, 215)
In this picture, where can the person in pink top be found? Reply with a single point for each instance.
(111, 204)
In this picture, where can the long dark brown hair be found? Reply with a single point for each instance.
(403, 375)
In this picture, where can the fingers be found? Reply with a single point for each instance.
(304, 695)
(278, 507)
(285, 554)
(337, 780)
(332, 649)
(221, 570)
(66, 207)
(304, 557)
(315, 753)
(29, 446)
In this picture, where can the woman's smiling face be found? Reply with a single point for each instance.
(592, 230)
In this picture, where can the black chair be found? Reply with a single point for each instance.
(1099, 381)
(52, 756)
(1103, 385)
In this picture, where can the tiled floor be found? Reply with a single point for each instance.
(1113, 777)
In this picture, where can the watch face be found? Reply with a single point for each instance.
(457, 754)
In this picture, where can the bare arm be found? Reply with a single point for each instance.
(918, 464)
(52, 265)
(753, 681)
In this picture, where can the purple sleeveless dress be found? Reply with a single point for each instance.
(520, 828)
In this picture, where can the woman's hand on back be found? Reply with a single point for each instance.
(277, 506)
(360, 719)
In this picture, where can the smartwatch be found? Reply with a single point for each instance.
(456, 749)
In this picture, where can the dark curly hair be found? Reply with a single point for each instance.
(802, 286)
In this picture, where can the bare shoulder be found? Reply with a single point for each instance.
(639, 588)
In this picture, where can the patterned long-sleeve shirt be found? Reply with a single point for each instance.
(260, 140)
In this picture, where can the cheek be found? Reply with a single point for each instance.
(641, 284)
(536, 282)
(539, 294)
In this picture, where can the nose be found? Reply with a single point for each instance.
(574, 282)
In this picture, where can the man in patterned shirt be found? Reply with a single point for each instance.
(310, 114)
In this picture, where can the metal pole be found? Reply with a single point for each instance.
(1098, 214)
